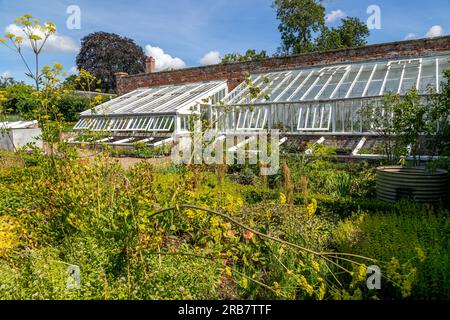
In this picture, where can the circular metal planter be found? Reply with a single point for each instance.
(417, 184)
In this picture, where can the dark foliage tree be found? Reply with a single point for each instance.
(249, 55)
(103, 54)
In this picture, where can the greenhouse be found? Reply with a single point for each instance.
(150, 111)
(324, 100)
(321, 100)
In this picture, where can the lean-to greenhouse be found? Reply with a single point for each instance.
(320, 102)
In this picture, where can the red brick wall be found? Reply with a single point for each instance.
(235, 73)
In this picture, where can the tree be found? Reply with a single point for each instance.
(440, 117)
(21, 100)
(351, 33)
(6, 82)
(71, 82)
(303, 29)
(37, 35)
(300, 20)
(249, 55)
(103, 54)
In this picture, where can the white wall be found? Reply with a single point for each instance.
(20, 138)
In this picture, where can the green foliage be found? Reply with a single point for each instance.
(142, 150)
(439, 115)
(246, 176)
(340, 184)
(300, 20)
(21, 100)
(6, 82)
(249, 55)
(417, 238)
(302, 27)
(217, 240)
(70, 106)
(351, 33)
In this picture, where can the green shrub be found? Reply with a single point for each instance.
(21, 100)
(415, 235)
(246, 176)
(339, 184)
(142, 150)
(71, 106)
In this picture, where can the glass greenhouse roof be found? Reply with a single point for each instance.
(159, 100)
(346, 81)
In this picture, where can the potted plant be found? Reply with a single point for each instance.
(411, 128)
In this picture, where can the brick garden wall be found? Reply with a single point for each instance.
(235, 73)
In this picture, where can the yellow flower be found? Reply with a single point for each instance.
(282, 198)
(361, 273)
(322, 291)
(421, 254)
(228, 271)
(312, 208)
(244, 283)
(303, 283)
(316, 266)
(215, 222)
(190, 214)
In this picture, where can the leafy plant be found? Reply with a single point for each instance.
(340, 184)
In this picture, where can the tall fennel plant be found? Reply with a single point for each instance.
(34, 35)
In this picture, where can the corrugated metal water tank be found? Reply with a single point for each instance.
(417, 184)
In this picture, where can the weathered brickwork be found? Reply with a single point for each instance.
(235, 73)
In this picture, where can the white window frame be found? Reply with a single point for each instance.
(261, 119)
(315, 108)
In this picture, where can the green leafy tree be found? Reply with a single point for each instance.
(21, 100)
(70, 105)
(351, 33)
(37, 35)
(103, 54)
(6, 82)
(71, 83)
(440, 117)
(303, 29)
(249, 55)
(411, 121)
(300, 21)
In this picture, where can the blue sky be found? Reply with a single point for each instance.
(190, 29)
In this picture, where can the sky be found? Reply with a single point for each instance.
(185, 33)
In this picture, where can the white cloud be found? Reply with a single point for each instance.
(5, 75)
(164, 61)
(212, 57)
(55, 43)
(411, 36)
(435, 31)
(335, 15)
